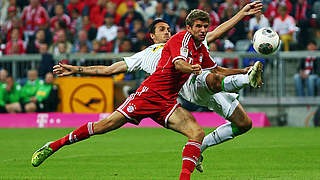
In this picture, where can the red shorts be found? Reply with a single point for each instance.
(147, 103)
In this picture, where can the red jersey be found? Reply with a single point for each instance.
(167, 81)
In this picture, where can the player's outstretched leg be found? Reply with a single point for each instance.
(182, 121)
(114, 121)
(240, 123)
(234, 83)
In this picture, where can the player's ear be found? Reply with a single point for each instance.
(188, 27)
(152, 36)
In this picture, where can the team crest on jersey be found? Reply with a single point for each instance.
(130, 109)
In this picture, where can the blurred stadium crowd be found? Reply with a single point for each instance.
(54, 27)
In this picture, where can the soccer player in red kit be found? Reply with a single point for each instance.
(156, 98)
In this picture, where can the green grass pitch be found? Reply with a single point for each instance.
(155, 154)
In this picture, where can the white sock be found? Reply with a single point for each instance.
(234, 83)
(221, 134)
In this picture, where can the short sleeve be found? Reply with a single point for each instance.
(134, 62)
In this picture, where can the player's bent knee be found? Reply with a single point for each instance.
(245, 125)
(214, 82)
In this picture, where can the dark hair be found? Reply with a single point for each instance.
(197, 14)
(313, 42)
(152, 26)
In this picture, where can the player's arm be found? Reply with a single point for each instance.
(65, 69)
(249, 9)
(185, 67)
(227, 71)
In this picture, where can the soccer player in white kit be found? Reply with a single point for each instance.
(199, 89)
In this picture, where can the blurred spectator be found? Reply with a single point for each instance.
(229, 62)
(214, 47)
(3, 76)
(111, 9)
(60, 25)
(238, 31)
(60, 15)
(141, 41)
(272, 10)
(82, 39)
(129, 17)
(15, 45)
(125, 45)
(90, 28)
(308, 71)
(79, 6)
(228, 4)
(285, 26)
(301, 12)
(95, 47)
(61, 38)
(180, 21)
(137, 26)
(146, 8)
(175, 6)
(161, 13)
(2, 47)
(10, 97)
(34, 46)
(108, 30)
(31, 14)
(46, 97)
(257, 22)
(120, 37)
(98, 12)
(316, 36)
(47, 61)
(76, 21)
(15, 23)
(215, 20)
(105, 46)
(49, 6)
(6, 25)
(43, 25)
(7, 8)
(123, 7)
(29, 90)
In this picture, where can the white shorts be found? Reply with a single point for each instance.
(196, 91)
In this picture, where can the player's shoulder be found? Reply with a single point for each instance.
(183, 38)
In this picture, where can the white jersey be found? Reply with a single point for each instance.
(194, 90)
(146, 60)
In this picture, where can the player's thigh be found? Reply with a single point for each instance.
(240, 118)
(213, 81)
(183, 122)
(112, 122)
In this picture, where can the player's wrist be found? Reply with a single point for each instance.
(79, 69)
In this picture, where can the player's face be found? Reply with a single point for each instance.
(162, 33)
(199, 30)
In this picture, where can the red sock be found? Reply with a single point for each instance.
(79, 134)
(190, 155)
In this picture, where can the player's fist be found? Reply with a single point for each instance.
(64, 69)
(196, 69)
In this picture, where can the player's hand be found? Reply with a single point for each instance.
(64, 69)
(246, 70)
(252, 8)
(196, 69)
